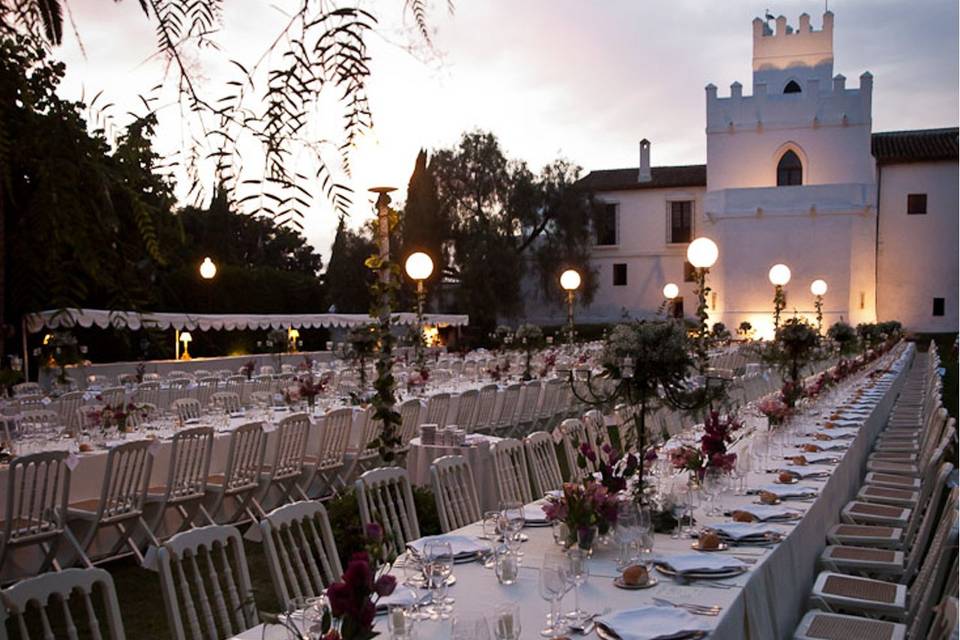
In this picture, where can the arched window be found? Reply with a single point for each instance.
(792, 87)
(789, 170)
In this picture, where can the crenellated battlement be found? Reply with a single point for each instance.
(815, 105)
(787, 47)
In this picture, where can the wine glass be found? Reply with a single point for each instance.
(437, 568)
(506, 624)
(552, 587)
(626, 532)
(314, 611)
(513, 521)
(576, 573)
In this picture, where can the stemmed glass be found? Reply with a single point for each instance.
(437, 568)
(513, 521)
(552, 587)
(576, 573)
(626, 532)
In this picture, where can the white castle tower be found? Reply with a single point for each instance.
(791, 179)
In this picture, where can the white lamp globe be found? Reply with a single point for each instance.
(818, 287)
(419, 266)
(208, 269)
(570, 280)
(779, 275)
(185, 337)
(670, 291)
(703, 253)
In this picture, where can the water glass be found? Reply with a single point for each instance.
(506, 623)
(576, 571)
(513, 522)
(552, 587)
(401, 621)
(314, 610)
(506, 565)
(470, 626)
(437, 569)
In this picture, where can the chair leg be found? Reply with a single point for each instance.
(72, 539)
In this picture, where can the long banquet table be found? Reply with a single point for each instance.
(766, 601)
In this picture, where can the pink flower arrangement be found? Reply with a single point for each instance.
(353, 599)
(686, 458)
(712, 454)
(583, 506)
(775, 409)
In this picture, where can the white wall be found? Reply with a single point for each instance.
(917, 258)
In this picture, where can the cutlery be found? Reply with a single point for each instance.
(587, 624)
(696, 609)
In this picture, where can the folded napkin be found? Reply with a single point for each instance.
(701, 563)
(840, 433)
(826, 445)
(784, 491)
(765, 512)
(807, 470)
(461, 545)
(534, 513)
(654, 623)
(745, 530)
(827, 457)
(404, 597)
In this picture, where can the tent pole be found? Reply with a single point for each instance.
(26, 360)
(176, 344)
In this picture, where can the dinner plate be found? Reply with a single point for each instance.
(607, 634)
(703, 575)
(620, 584)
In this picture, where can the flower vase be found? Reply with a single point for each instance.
(588, 539)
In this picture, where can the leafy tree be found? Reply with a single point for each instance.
(347, 279)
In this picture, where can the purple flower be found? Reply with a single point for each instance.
(385, 585)
(588, 452)
(374, 532)
(340, 596)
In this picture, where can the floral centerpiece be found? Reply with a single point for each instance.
(117, 417)
(796, 345)
(418, 378)
(587, 509)
(712, 454)
(530, 338)
(775, 409)
(353, 599)
(549, 362)
(248, 368)
(310, 387)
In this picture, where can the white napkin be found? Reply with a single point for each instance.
(840, 432)
(764, 512)
(404, 597)
(743, 530)
(826, 445)
(654, 623)
(461, 545)
(807, 470)
(784, 491)
(701, 562)
(534, 513)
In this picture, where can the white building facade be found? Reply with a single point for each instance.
(794, 175)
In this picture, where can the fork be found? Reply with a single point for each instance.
(696, 609)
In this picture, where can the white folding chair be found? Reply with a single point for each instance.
(505, 420)
(574, 433)
(510, 471)
(187, 409)
(467, 409)
(50, 594)
(186, 487)
(326, 463)
(486, 405)
(67, 406)
(229, 401)
(27, 389)
(409, 421)
(205, 583)
(114, 396)
(120, 506)
(437, 407)
(240, 479)
(300, 550)
(38, 487)
(386, 498)
(286, 467)
(544, 466)
(526, 416)
(455, 492)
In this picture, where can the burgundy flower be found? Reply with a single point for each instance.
(366, 614)
(340, 596)
(385, 585)
(374, 532)
(358, 574)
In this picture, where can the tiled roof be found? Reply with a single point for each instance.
(693, 175)
(921, 145)
(889, 147)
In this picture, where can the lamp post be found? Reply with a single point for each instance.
(570, 282)
(702, 253)
(208, 270)
(779, 277)
(419, 266)
(818, 288)
(670, 293)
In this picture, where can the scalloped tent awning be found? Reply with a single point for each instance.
(86, 318)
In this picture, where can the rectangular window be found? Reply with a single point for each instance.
(681, 221)
(620, 274)
(607, 225)
(938, 306)
(689, 273)
(916, 203)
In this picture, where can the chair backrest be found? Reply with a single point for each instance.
(67, 406)
(467, 409)
(148, 392)
(176, 374)
(544, 467)
(508, 408)
(486, 405)
(437, 407)
(205, 583)
(529, 401)
(229, 401)
(27, 388)
(38, 487)
(409, 420)
(370, 430)
(510, 471)
(187, 408)
(125, 481)
(301, 552)
(596, 427)
(114, 396)
(190, 456)
(919, 544)
(50, 594)
(334, 438)
(244, 458)
(945, 622)
(385, 497)
(551, 396)
(293, 433)
(455, 492)
(574, 433)
(935, 563)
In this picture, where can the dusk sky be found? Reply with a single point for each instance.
(574, 78)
